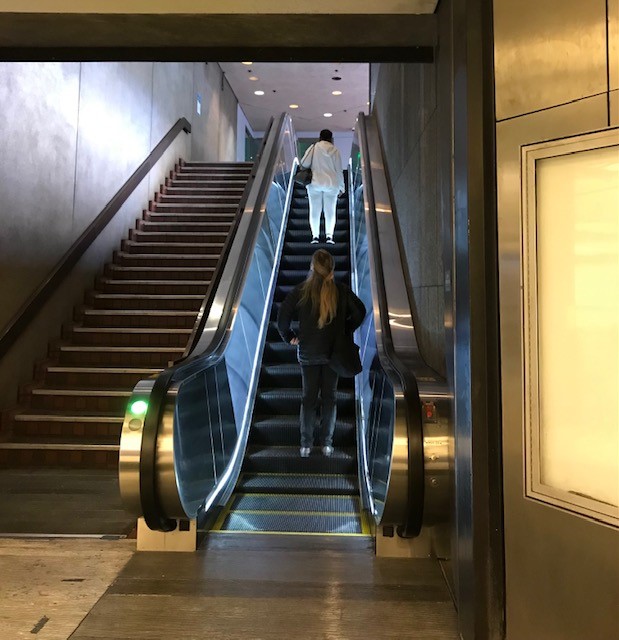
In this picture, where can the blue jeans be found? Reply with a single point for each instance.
(318, 378)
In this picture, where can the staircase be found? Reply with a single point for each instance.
(136, 320)
(278, 491)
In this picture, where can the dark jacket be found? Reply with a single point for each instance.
(316, 345)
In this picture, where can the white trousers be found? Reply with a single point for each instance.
(322, 199)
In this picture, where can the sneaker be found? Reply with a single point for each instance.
(327, 451)
(330, 240)
(304, 451)
(315, 240)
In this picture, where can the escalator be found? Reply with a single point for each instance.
(215, 438)
(278, 491)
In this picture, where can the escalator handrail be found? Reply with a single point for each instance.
(401, 367)
(208, 345)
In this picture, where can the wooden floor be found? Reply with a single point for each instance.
(62, 502)
(277, 588)
(48, 586)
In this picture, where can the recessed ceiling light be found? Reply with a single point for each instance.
(259, 93)
(327, 115)
(367, 103)
(336, 93)
(293, 106)
(254, 78)
(247, 63)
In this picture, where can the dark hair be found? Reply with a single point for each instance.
(327, 135)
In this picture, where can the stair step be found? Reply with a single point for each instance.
(178, 273)
(117, 356)
(229, 177)
(135, 318)
(198, 182)
(80, 399)
(67, 425)
(130, 336)
(178, 237)
(149, 287)
(157, 260)
(187, 207)
(52, 452)
(85, 376)
(204, 190)
(191, 198)
(175, 248)
(193, 218)
(145, 301)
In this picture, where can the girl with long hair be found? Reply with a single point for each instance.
(316, 302)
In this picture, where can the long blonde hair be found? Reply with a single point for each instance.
(320, 288)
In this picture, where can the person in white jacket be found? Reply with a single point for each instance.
(327, 183)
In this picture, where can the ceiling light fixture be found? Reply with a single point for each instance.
(259, 93)
(336, 93)
(254, 78)
(293, 106)
(247, 63)
(327, 115)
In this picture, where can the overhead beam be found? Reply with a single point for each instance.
(229, 37)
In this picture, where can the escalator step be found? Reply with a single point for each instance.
(298, 483)
(259, 459)
(287, 523)
(288, 401)
(284, 431)
(296, 503)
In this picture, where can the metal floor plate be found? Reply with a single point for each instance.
(332, 524)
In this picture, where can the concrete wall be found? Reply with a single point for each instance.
(405, 101)
(72, 134)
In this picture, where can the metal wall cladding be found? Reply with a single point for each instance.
(548, 53)
(551, 71)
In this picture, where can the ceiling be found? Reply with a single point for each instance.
(308, 85)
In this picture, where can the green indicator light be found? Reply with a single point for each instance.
(138, 408)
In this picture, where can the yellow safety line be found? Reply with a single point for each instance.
(338, 496)
(222, 516)
(294, 533)
(357, 514)
(365, 524)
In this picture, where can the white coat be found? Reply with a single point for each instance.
(326, 165)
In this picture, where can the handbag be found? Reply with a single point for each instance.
(345, 360)
(304, 176)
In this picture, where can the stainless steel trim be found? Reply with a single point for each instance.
(399, 353)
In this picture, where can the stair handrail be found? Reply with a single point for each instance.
(35, 302)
